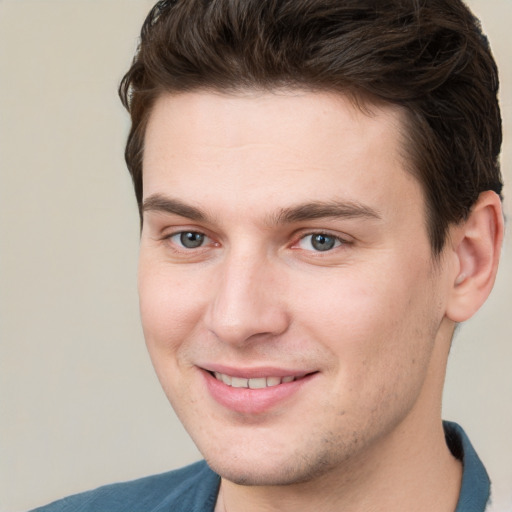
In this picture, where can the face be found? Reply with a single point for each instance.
(288, 295)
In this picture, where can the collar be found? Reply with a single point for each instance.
(476, 486)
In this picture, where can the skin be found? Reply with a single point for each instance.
(370, 319)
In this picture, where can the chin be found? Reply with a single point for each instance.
(275, 472)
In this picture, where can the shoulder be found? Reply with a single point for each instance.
(189, 489)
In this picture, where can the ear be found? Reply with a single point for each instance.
(476, 246)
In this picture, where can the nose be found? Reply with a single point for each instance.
(248, 302)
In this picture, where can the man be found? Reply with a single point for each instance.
(319, 192)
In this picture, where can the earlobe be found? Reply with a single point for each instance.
(477, 246)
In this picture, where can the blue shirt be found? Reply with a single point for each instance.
(194, 488)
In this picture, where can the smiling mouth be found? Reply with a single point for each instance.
(255, 383)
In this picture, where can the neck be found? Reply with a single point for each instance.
(421, 477)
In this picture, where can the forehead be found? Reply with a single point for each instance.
(288, 146)
(259, 117)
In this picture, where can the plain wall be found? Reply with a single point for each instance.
(79, 404)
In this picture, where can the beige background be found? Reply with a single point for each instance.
(79, 403)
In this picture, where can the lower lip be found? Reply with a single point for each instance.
(252, 401)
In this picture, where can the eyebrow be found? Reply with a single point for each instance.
(159, 203)
(322, 210)
(302, 212)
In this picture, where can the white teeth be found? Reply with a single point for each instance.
(237, 382)
(226, 379)
(258, 383)
(255, 383)
(273, 381)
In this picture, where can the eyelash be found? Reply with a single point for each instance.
(180, 247)
(337, 240)
(187, 232)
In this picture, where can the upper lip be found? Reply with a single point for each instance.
(255, 372)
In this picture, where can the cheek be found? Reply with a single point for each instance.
(169, 305)
(375, 324)
(350, 305)
(170, 313)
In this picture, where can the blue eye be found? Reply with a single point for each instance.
(189, 239)
(319, 242)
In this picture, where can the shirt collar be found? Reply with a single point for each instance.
(476, 486)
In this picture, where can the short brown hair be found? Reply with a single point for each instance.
(430, 58)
